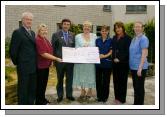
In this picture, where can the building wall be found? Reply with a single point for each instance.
(119, 14)
(51, 15)
(125, 17)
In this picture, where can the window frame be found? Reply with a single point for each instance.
(107, 8)
(136, 10)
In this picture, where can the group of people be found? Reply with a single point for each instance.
(33, 55)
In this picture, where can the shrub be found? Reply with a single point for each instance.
(8, 71)
(149, 30)
(76, 29)
(129, 29)
(7, 43)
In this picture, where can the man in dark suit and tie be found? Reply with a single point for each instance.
(63, 38)
(23, 55)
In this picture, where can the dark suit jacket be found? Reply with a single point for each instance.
(23, 50)
(120, 48)
(58, 42)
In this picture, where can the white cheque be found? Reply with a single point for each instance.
(81, 55)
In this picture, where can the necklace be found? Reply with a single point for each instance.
(86, 38)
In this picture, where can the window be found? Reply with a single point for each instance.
(60, 5)
(20, 23)
(59, 26)
(98, 29)
(136, 8)
(107, 8)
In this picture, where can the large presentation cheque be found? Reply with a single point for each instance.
(81, 55)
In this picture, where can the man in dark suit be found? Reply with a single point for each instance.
(23, 55)
(63, 38)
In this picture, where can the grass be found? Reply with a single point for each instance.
(9, 73)
(11, 94)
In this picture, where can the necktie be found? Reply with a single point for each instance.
(29, 31)
(66, 37)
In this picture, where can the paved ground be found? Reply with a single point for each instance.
(11, 98)
(149, 94)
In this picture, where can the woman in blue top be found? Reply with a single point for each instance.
(103, 70)
(84, 73)
(138, 52)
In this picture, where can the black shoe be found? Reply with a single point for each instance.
(99, 100)
(46, 102)
(71, 98)
(104, 100)
(59, 99)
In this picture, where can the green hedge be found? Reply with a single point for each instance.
(76, 29)
(7, 43)
(129, 29)
(8, 71)
(149, 30)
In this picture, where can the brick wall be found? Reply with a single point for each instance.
(51, 15)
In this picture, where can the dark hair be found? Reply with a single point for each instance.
(105, 27)
(119, 24)
(66, 20)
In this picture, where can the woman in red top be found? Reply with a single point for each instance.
(44, 60)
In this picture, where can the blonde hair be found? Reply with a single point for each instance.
(87, 23)
(40, 27)
(139, 22)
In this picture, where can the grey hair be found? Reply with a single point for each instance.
(27, 14)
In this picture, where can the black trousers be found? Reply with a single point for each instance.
(138, 85)
(102, 83)
(65, 69)
(42, 79)
(120, 77)
(26, 88)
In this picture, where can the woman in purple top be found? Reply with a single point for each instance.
(44, 60)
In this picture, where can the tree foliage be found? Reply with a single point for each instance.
(7, 43)
(149, 30)
(76, 29)
(129, 29)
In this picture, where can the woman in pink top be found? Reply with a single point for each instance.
(44, 60)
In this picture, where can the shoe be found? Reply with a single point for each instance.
(71, 98)
(99, 100)
(88, 97)
(104, 100)
(46, 102)
(117, 102)
(81, 97)
(40, 102)
(91, 99)
(59, 99)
